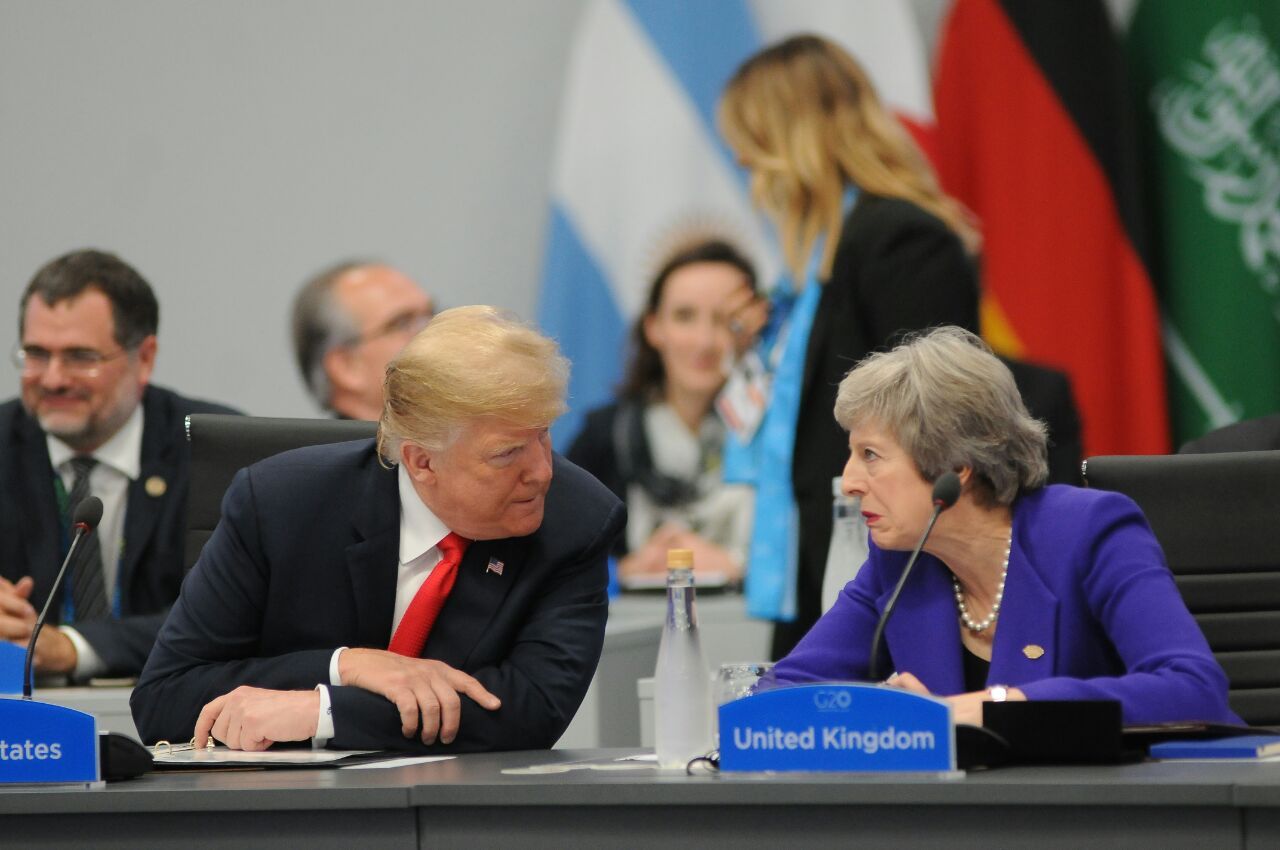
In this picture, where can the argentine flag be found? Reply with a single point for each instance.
(638, 154)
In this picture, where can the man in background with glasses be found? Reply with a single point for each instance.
(348, 322)
(89, 424)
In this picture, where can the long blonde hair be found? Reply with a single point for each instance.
(803, 116)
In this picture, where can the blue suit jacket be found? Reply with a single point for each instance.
(1087, 585)
(32, 541)
(305, 559)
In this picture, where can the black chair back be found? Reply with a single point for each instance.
(222, 445)
(1216, 516)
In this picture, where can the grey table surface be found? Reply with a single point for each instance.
(594, 778)
(580, 798)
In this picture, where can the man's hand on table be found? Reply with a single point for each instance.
(253, 719)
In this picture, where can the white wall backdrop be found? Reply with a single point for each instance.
(229, 149)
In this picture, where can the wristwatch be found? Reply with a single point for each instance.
(998, 693)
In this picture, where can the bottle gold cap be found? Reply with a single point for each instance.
(679, 559)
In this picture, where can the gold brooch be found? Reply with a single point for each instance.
(1033, 651)
(155, 486)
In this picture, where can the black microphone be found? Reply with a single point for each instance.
(86, 518)
(945, 492)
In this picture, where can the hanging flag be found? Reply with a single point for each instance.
(1208, 95)
(1033, 135)
(638, 153)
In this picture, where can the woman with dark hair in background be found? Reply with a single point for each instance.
(659, 447)
(875, 249)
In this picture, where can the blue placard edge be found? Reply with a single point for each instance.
(20, 719)
(13, 660)
(800, 710)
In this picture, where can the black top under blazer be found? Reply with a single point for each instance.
(1047, 394)
(897, 269)
(305, 560)
(150, 571)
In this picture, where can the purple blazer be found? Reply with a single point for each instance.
(1090, 611)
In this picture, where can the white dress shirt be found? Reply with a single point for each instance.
(420, 534)
(119, 462)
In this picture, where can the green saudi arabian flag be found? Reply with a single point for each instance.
(1207, 80)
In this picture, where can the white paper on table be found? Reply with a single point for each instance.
(400, 762)
(639, 761)
(223, 757)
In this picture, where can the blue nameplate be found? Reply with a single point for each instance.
(837, 727)
(13, 659)
(42, 742)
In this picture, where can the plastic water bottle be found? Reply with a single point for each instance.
(682, 686)
(848, 549)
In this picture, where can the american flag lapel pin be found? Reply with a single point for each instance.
(495, 566)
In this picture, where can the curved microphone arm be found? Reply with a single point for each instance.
(946, 490)
(87, 516)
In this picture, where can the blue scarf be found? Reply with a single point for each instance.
(765, 462)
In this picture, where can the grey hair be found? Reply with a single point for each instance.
(951, 403)
(321, 325)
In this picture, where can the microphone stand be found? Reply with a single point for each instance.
(945, 492)
(83, 527)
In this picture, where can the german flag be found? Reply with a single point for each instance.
(1036, 135)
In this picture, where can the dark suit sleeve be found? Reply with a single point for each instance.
(123, 644)
(917, 276)
(210, 643)
(541, 682)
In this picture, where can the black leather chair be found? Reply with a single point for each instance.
(1250, 435)
(1217, 516)
(222, 445)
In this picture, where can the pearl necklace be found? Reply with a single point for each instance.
(990, 619)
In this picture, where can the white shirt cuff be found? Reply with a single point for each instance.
(335, 678)
(324, 726)
(88, 662)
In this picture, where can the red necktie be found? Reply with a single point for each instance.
(411, 634)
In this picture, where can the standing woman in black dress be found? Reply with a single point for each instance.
(860, 216)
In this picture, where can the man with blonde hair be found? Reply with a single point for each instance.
(442, 589)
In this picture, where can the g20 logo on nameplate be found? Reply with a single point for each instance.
(837, 727)
(832, 699)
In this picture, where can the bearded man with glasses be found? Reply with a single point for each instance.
(89, 424)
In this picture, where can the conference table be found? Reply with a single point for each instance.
(610, 715)
(587, 798)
